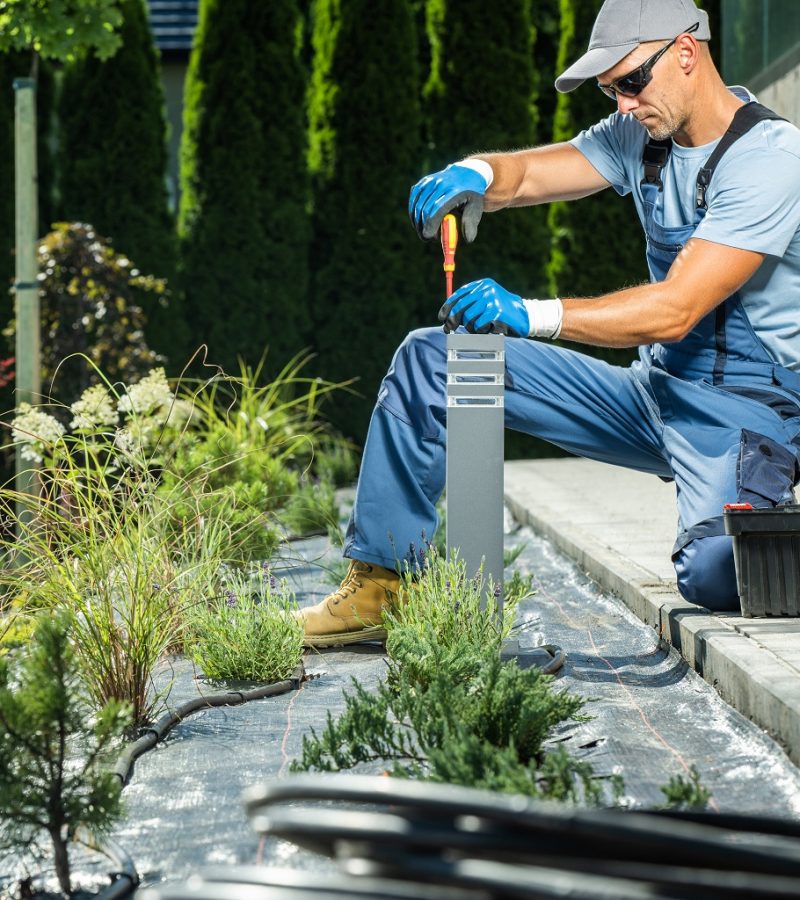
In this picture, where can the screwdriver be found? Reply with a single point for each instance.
(449, 235)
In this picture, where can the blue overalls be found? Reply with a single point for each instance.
(713, 411)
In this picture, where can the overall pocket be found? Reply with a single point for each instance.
(766, 471)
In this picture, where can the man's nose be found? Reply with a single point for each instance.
(626, 104)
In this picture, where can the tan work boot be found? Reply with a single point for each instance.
(354, 612)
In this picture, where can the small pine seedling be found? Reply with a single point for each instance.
(53, 747)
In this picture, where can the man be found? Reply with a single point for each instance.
(714, 400)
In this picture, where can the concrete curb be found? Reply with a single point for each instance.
(723, 648)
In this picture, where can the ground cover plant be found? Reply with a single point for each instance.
(450, 710)
(55, 748)
(248, 632)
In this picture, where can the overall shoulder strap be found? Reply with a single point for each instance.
(745, 118)
(654, 158)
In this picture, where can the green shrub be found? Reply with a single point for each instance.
(449, 710)
(312, 509)
(482, 96)
(54, 748)
(101, 540)
(90, 297)
(247, 632)
(249, 442)
(365, 151)
(112, 161)
(243, 220)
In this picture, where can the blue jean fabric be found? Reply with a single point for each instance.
(639, 417)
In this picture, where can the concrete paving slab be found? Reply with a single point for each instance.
(619, 526)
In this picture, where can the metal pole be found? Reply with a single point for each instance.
(475, 438)
(28, 368)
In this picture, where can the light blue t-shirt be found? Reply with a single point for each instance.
(753, 204)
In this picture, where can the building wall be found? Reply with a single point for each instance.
(761, 49)
(783, 95)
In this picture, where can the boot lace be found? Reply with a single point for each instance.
(351, 583)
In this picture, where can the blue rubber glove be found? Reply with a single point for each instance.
(483, 307)
(436, 195)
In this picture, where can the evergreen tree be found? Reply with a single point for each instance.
(598, 244)
(364, 156)
(243, 218)
(482, 96)
(112, 161)
(546, 21)
(54, 747)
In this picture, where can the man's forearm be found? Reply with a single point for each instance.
(539, 175)
(627, 318)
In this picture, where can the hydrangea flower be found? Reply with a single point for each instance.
(94, 409)
(34, 430)
(149, 396)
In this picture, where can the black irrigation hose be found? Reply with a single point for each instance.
(124, 877)
(496, 839)
(159, 730)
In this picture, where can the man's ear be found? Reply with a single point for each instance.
(688, 50)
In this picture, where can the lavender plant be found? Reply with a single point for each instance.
(246, 632)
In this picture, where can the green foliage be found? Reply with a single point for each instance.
(578, 267)
(312, 509)
(247, 633)
(59, 29)
(449, 709)
(247, 442)
(482, 96)
(53, 750)
(243, 218)
(546, 20)
(481, 729)
(112, 158)
(446, 604)
(686, 793)
(102, 540)
(89, 297)
(364, 154)
(104, 549)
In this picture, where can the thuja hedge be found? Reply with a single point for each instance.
(112, 158)
(243, 218)
(482, 95)
(364, 154)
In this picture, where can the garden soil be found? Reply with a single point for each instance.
(652, 718)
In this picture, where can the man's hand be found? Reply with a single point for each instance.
(438, 194)
(483, 307)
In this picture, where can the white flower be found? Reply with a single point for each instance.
(123, 440)
(151, 395)
(34, 430)
(94, 410)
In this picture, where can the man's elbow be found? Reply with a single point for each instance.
(679, 323)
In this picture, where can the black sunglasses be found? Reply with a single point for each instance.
(636, 81)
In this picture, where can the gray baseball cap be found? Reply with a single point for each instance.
(621, 25)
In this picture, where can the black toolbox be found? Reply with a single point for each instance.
(766, 549)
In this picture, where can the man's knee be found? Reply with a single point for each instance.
(413, 389)
(706, 573)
